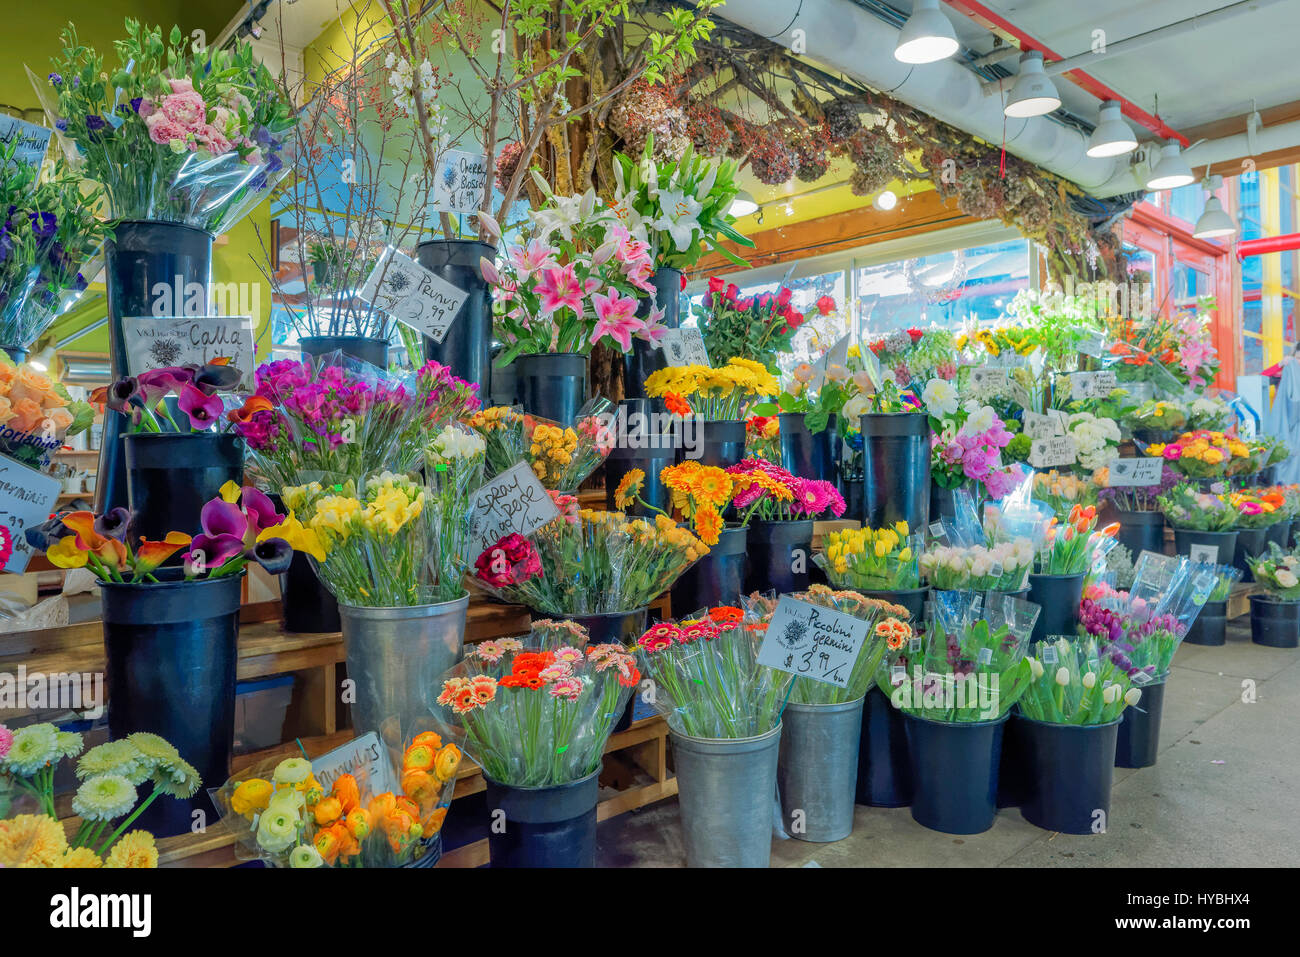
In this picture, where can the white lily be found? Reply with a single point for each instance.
(680, 217)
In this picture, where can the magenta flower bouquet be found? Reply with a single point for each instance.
(575, 282)
(966, 442)
(319, 419)
(775, 495)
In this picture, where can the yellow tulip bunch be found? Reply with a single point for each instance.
(872, 559)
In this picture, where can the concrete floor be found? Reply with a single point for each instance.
(1225, 792)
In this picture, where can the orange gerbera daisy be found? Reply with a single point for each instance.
(708, 525)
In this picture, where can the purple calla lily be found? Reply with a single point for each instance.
(211, 379)
(224, 518)
(273, 554)
(113, 524)
(210, 552)
(157, 383)
(204, 411)
(121, 392)
(261, 511)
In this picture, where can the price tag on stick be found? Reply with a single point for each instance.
(514, 501)
(412, 294)
(812, 642)
(1092, 385)
(1204, 553)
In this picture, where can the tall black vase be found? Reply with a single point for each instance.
(884, 768)
(780, 556)
(1070, 769)
(1059, 597)
(896, 464)
(645, 358)
(1251, 543)
(807, 454)
(170, 476)
(544, 827)
(465, 349)
(642, 443)
(365, 348)
(145, 263)
(714, 443)
(716, 579)
(1141, 531)
(172, 650)
(553, 385)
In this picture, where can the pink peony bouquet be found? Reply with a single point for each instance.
(966, 441)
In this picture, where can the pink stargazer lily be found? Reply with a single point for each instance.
(534, 257)
(559, 289)
(616, 317)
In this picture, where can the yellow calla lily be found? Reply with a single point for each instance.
(66, 554)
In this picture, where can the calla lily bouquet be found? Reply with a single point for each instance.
(678, 207)
(537, 711)
(109, 776)
(194, 389)
(1076, 682)
(241, 526)
(576, 281)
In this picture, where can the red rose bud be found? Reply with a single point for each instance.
(715, 284)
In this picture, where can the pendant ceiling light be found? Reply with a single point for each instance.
(1034, 93)
(1215, 223)
(1172, 170)
(1112, 137)
(743, 204)
(927, 36)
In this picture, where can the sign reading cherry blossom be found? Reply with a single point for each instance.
(459, 183)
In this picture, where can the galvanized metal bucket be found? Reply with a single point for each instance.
(394, 654)
(725, 788)
(818, 772)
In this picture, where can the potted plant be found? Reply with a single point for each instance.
(170, 635)
(1056, 584)
(822, 725)
(1275, 614)
(1137, 509)
(53, 239)
(1258, 510)
(393, 553)
(184, 140)
(782, 509)
(535, 715)
(1068, 725)
(955, 691)
(723, 710)
(711, 404)
(109, 775)
(1156, 420)
(1201, 520)
(1141, 629)
(679, 208)
(177, 449)
(1210, 626)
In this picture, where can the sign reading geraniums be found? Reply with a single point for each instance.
(813, 641)
(26, 499)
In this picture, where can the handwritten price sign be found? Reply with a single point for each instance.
(160, 342)
(989, 379)
(514, 501)
(1052, 452)
(685, 347)
(1092, 385)
(27, 498)
(413, 295)
(1127, 472)
(812, 642)
(460, 181)
(365, 758)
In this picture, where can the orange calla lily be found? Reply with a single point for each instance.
(252, 405)
(149, 555)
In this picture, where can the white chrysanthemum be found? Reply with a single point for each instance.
(33, 748)
(113, 757)
(104, 798)
(68, 743)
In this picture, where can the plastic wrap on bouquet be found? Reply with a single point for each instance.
(588, 561)
(535, 711)
(383, 806)
(561, 457)
(36, 415)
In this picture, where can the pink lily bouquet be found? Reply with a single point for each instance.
(574, 282)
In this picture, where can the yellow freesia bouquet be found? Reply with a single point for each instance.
(716, 395)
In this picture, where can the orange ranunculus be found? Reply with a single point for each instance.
(420, 785)
(381, 805)
(345, 789)
(404, 805)
(332, 841)
(447, 762)
(149, 555)
(428, 738)
(358, 823)
(252, 405)
(401, 828)
(328, 810)
(418, 757)
(433, 823)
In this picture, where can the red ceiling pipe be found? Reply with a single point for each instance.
(1267, 244)
(999, 25)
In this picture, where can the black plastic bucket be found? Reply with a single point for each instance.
(780, 556)
(646, 358)
(172, 650)
(553, 385)
(717, 443)
(171, 476)
(1275, 624)
(716, 579)
(1280, 532)
(1059, 597)
(1013, 766)
(809, 455)
(884, 768)
(1138, 743)
(954, 773)
(896, 464)
(1141, 531)
(648, 447)
(1210, 626)
(943, 502)
(1225, 542)
(365, 348)
(142, 257)
(913, 599)
(1070, 770)
(852, 491)
(466, 348)
(543, 827)
(1251, 542)
(306, 605)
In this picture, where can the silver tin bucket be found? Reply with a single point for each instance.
(395, 654)
(818, 774)
(725, 788)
